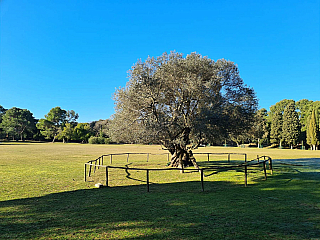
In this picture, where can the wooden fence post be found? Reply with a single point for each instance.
(208, 157)
(107, 177)
(95, 165)
(90, 169)
(245, 175)
(265, 170)
(148, 157)
(270, 165)
(228, 157)
(128, 157)
(202, 185)
(110, 158)
(245, 157)
(102, 160)
(148, 180)
(85, 172)
(258, 158)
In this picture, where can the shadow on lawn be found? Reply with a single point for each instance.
(279, 208)
(311, 162)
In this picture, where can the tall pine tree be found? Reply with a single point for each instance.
(276, 128)
(312, 131)
(291, 125)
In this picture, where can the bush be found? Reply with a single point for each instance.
(99, 140)
(95, 140)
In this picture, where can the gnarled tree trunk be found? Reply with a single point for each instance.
(182, 157)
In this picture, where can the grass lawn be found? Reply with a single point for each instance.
(43, 196)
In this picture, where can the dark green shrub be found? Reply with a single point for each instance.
(94, 140)
(99, 140)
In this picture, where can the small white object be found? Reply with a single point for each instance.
(98, 185)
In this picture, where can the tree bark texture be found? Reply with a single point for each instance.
(182, 157)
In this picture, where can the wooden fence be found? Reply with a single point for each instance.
(99, 162)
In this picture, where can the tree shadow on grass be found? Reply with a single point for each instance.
(284, 207)
(224, 166)
(306, 162)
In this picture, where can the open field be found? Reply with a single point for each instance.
(43, 196)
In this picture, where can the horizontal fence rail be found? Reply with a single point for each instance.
(97, 163)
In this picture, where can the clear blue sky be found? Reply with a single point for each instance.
(75, 53)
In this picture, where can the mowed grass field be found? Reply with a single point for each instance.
(43, 195)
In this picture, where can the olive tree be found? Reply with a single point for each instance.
(181, 102)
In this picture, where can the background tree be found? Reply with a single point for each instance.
(277, 121)
(82, 132)
(261, 127)
(181, 102)
(52, 123)
(276, 128)
(71, 117)
(16, 122)
(52, 126)
(280, 106)
(305, 108)
(67, 133)
(2, 112)
(239, 139)
(100, 128)
(291, 125)
(312, 131)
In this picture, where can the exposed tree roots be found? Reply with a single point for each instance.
(182, 158)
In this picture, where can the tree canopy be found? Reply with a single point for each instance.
(312, 131)
(58, 123)
(181, 102)
(291, 125)
(17, 122)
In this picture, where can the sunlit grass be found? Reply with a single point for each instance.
(43, 196)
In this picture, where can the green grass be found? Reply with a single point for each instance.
(43, 196)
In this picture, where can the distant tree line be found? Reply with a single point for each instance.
(287, 124)
(58, 124)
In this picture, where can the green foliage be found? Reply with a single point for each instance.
(276, 127)
(46, 128)
(67, 132)
(261, 127)
(18, 122)
(99, 140)
(291, 125)
(100, 128)
(2, 112)
(57, 116)
(71, 117)
(304, 108)
(58, 123)
(313, 131)
(179, 101)
(53, 123)
(82, 132)
(280, 106)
